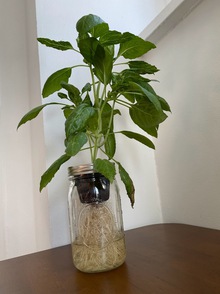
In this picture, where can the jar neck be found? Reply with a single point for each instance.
(79, 170)
(92, 187)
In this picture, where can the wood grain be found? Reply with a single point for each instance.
(161, 259)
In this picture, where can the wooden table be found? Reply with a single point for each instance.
(162, 258)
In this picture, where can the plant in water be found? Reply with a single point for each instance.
(89, 112)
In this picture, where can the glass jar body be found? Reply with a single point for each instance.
(96, 224)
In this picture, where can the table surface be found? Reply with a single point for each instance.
(161, 258)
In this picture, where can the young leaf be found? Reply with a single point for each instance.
(87, 88)
(73, 92)
(110, 146)
(75, 143)
(106, 168)
(134, 46)
(59, 45)
(53, 83)
(62, 95)
(129, 186)
(140, 138)
(78, 119)
(34, 112)
(86, 23)
(142, 67)
(50, 172)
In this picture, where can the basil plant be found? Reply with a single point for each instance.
(89, 112)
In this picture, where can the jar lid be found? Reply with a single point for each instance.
(80, 169)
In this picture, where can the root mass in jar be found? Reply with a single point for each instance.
(99, 246)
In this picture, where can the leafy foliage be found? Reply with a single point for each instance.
(140, 138)
(59, 45)
(50, 172)
(133, 46)
(127, 182)
(89, 112)
(106, 168)
(53, 83)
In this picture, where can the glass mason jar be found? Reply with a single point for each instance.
(96, 224)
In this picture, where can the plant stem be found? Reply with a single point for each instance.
(90, 145)
(94, 152)
(120, 63)
(79, 65)
(123, 103)
(93, 86)
(110, 123)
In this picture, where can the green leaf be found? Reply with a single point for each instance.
(103, 63)
(87, 47)
(152, 131)
(92, 123)
(87, 88)
(145, 115)
(165, 106)
(110, 145)
(34, 112)
(131, 96)
(53, 83)
(78, 119)
(101, 57)
(140, 138)
(73, 92)
(110, 38)
(75, 143)
(129, 186)
(99, 30)
(152, 97)
(106, 116)
(62, 95)
(106, 168)
(129, 75)
(50, 172)
(86, 23)
(142, 67)
(67, 110)
(59, 45)
(134, 46)
(87, 100)
(123, 84)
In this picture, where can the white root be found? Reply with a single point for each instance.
(99, 246)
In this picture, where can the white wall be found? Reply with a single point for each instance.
(24, 225)
(187, 157)
(56, 20)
